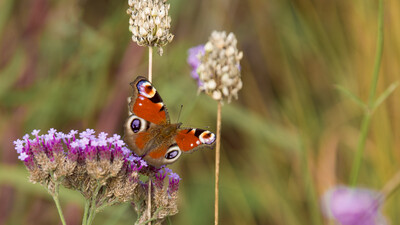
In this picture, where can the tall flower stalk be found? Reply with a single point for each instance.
(216, 67)
(217, 162)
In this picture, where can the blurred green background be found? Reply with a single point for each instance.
(289, 137)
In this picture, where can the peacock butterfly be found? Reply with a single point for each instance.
(149, 132)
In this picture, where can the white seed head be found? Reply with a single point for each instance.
(219, 70)
(149, 22)
(211, 84)
(216, 95)
(208, 47)
(159, 32)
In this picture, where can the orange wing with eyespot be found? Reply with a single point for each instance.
(147, 103)
(190, 139)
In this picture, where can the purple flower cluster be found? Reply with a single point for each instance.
(100, 167)
(86, 147)
(173, 178)
(194, 61)
(353, 206)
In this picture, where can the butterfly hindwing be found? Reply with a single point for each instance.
(191, 139)
(147, 103)
(137, 134)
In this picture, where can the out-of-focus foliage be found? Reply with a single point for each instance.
(289, 137)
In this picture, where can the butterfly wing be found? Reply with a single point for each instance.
(191, 139)
(155, 143)
(181, 140)
(149, 133)
(147, 113)
(138, 134)
(159, 147)
(146, 102)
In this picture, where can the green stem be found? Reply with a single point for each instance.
(92, 210)
(55, 198)
(371, 100)
(85, 213)
(378, 57)
(360, 149)
(169, 220)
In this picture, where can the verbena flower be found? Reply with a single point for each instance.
(219, 68)
(193, 60)
(174, 182)
(164, 197)
(353, 206)
(149, 23)
(98, 166)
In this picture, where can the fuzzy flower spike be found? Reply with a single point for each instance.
(219, 68)
(150, 23)
(100, 167)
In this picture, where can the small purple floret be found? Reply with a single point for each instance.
(23, 156)
(173, 182)
(86, 147)
(35, 132)
(194, 61)
(160, 176)
(25, 137)
(193, 58)
(52, 131)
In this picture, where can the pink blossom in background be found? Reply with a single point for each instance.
(353, 206)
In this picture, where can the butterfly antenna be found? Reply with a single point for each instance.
(179, 115)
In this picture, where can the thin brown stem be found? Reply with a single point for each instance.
(217, 159)
(149, 202)
(150, 76)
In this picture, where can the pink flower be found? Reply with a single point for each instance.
(353, 206)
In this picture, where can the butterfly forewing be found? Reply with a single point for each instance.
(147, 103)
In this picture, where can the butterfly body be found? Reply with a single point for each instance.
(149, 133)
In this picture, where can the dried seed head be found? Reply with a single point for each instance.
(219, 68)
(149, 23)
